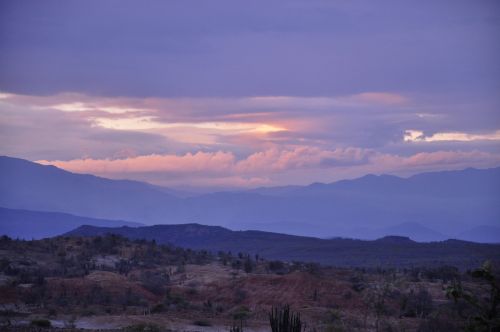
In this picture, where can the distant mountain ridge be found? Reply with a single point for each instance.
(31, 186)
(414, 231)
(29, 225)
(395, 251)
(448, 202)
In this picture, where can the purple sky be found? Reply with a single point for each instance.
(230, 93)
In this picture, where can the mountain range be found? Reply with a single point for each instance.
(425, 207)
(25, 224)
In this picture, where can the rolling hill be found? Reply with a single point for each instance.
(391, 251)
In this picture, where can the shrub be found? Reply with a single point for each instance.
(201, 322)
(236, 328)
(248, 266)
(276, 266)
(417, 304)
(484, 315)
(437, 323)
(241, 314)
(142, 327)
(43, 323)
(240, 295)
(158, 308)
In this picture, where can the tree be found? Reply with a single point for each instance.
(484, 315)
(248, 266)
(376, 300)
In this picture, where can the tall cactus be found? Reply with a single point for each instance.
(282, 320)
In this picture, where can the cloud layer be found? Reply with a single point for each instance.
(231, 94)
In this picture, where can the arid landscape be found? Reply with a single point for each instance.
(111, 283)
(249, 166)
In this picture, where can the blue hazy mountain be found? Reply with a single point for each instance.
(483, 233)
(413, 231)
(447, 202)
(29, 225)
(31, 186)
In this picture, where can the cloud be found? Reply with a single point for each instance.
(30, 132)
(163, 92)
(203, 122)
(378, 98)
(272, 160)
(171, 49)
(188, 163)
(271, 166)
(300, 158)
(272, 139)
(432, 161)
(419, 136)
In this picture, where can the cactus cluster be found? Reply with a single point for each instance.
(283, 320)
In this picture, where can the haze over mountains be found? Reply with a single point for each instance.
(25, 224)
(426, 207)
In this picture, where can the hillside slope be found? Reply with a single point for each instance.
(388, 251)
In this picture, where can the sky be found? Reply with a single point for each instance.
(240, 94)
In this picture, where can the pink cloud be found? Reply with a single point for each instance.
(438, 160)
(380, 98)
(265, 167)
(269, 161)
(189, 163)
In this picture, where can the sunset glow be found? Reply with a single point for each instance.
(334, 91)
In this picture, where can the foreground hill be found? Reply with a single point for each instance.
(388, 251)
(443, 202)
(116, 284)
(26, 224)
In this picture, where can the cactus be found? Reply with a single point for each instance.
(283, 320)
(236, 328)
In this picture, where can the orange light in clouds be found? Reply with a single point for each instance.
(266, 128)
(145, 123)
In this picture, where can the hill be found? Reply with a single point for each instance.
(386, 252)
(415, 231)
(26, 224)
(111, 283)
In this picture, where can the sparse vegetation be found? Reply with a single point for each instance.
(67, 279)
(481, 311)
(143, 328)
